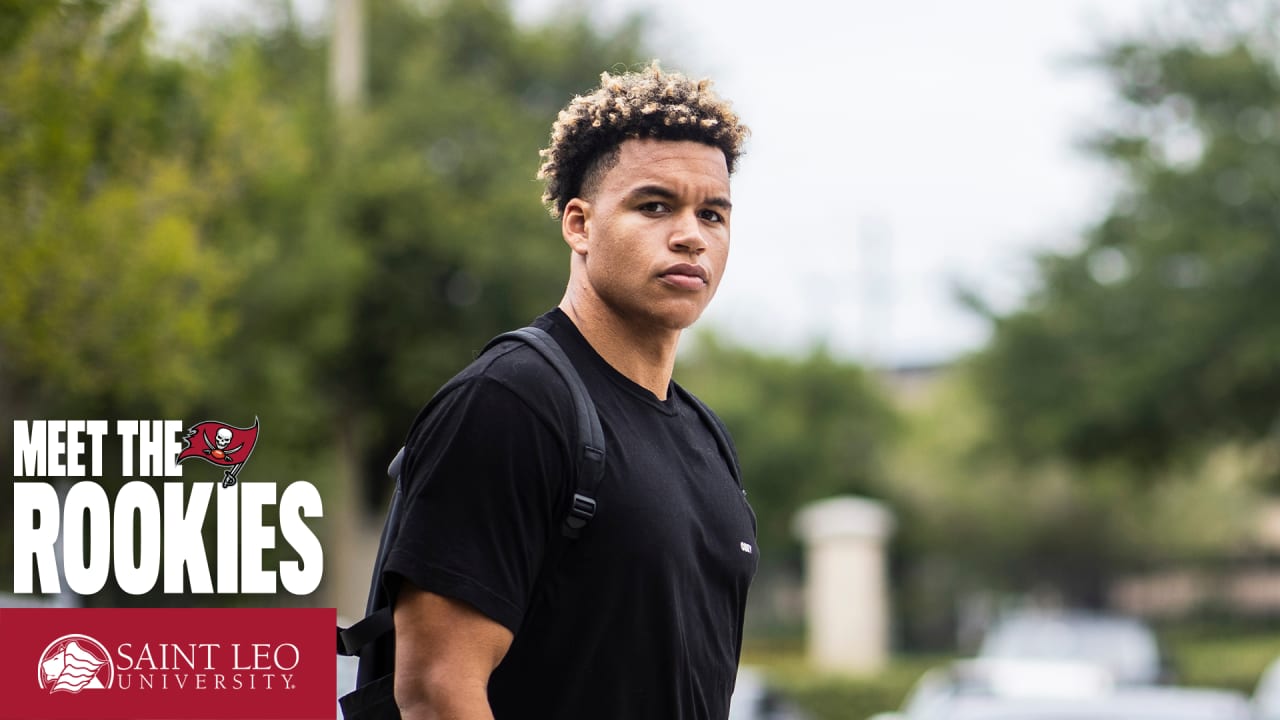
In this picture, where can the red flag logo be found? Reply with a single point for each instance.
(223, 445)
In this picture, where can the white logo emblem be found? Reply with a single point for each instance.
(746, 547)
(73, 663)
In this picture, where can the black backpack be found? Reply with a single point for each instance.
(372, 638)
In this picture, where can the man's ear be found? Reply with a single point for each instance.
(575, 225)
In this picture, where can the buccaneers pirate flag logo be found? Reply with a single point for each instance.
(223, 445)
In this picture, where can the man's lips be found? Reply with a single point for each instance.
(685, 275)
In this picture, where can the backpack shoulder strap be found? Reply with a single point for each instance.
(590, 453)
(720, 432)
(588, 459)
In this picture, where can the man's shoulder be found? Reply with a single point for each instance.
(510, 385)
(513, 365)
(511, 377)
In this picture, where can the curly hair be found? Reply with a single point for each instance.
(646, 104)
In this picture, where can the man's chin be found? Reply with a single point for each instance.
(676, 316)
(682, 314)
(669, 316)
(678, 323)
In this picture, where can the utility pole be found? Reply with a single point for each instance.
(354, 535)
(346, 55)
(876, 288)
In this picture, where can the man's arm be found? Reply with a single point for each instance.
(445, 652)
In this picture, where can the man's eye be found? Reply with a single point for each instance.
(711, 216)
(654, 207)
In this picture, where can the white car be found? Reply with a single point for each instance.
(985, 689)
(1126, 647)
(1266, 697)
(754, 699)
(1014, 679)
(1149, 703)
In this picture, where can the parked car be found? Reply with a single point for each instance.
(1266, 696)
(1125, 646)
(1146, 703)
(984, 677)
(985, 689)
(755, 699)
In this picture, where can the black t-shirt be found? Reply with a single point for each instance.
(641, 617)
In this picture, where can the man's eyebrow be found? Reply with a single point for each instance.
(652, 191)
(668, 194)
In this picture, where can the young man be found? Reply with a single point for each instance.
(496, 615)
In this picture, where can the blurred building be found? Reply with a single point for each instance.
(1246, 582)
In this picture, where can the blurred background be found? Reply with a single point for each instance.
(1007, 273)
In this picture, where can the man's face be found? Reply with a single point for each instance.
(655, 233)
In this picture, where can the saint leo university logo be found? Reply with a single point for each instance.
(226, 446)
(73, 663)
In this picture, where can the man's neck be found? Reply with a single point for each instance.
(646, 357)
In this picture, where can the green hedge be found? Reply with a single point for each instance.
(1218, 655)
(1225, 655)
(830, 696)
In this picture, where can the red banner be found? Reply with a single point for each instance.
(224, 445)
(148, 664)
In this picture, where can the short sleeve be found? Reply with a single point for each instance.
(484, 476)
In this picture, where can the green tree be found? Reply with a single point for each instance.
(1158, 338)
(978, 520)
(1126, 414)
(105, 302)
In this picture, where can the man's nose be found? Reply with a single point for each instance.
(686, 236)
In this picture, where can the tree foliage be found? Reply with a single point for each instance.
(1127, 414)
(979, 520)
(1158, 338)
(106, 302)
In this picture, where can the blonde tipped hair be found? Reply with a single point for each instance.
(645, 104)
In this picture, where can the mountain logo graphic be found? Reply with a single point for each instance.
(73, 663)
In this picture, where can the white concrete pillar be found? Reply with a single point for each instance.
(846, 583)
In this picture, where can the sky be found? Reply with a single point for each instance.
(899, 151)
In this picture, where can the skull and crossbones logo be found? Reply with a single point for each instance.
(221, 439)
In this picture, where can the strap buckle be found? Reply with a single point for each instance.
(583, 509)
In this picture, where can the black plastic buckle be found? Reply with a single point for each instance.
(583, 509)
